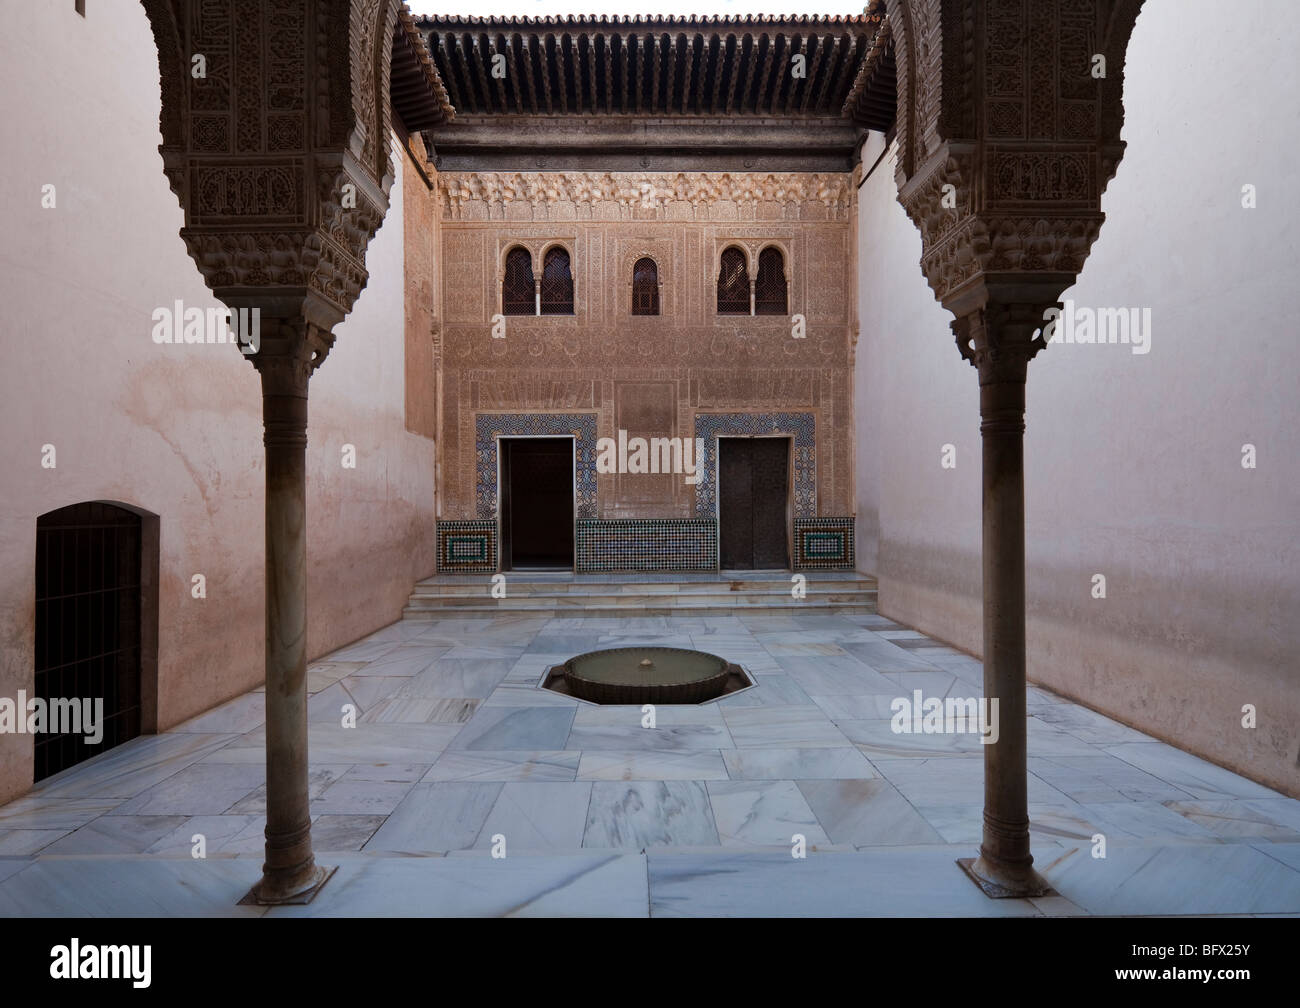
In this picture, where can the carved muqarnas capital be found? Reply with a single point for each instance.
(999, 339)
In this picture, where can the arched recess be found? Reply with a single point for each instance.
(557, 281)
(733, 282)
(96, 630)
(645, 287)
(771, 288)
(518, 288)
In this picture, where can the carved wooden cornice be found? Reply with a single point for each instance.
(1003, 159)
(276, 120)
(639, 195)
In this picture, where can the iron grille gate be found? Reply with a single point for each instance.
(87, 625)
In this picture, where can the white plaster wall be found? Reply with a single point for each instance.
(175, 430)
(1132, 461)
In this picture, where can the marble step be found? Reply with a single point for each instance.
(572, 601)
(434, 588)
(637, 610)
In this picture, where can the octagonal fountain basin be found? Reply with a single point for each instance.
(641, 675)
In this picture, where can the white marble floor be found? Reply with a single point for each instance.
(455, 752)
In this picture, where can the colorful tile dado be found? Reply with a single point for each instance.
(647, 544)
(489, 426)
(467, 547)
(824, 544)
(801, 426)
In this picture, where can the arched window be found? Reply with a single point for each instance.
(557, 283)
(733, 284)
(769, 288)
(518, 295)
(645, 287)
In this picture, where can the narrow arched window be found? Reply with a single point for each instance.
(770, 287)
(557, 283)
(645, 287)
(733, 284)
(518, 293)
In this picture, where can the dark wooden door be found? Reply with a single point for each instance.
(753, 477)
(537, 503)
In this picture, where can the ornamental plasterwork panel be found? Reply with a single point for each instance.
(641, 195)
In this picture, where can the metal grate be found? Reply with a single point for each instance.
(518, 292)
(87, 625)
(770, 287)
(557, 283)
(645, 287)
(733, 284)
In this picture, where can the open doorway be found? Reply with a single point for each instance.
(537, 505)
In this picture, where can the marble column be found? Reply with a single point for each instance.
(1000, 339)
(290, 873)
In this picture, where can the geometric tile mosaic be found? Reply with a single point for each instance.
(824, 543)
(466, 547)
(801, 426)
(490, 426)
(647, 544)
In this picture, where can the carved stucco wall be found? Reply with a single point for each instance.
(649, 375)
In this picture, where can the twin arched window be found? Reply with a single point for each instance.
(769, 287)
(522, 295)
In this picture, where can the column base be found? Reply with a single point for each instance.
(1003, 884)
(264, 895)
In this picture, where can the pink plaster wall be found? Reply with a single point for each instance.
(174, 430)
(1132, 461)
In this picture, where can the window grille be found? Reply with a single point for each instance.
(557, 283)
(645, 287)
(770, 287)
(518, 294)
(733, 284)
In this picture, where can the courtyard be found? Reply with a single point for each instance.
(462, 789)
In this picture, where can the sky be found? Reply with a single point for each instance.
(551, 8)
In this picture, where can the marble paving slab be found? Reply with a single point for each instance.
(342, 833)
(242, 714)
(537, 817)
(862, 812)
(533, 728)
(511, 765)
(120, 887)
(436, 817)
(364, 743)
(763, 814)
(202, 789)
(846, 676)
(1268, 819)
(1183, 879)
(682, 738)
(128, 769)
(798, 764)
(575, 885)
(643, 814)
(641, 766)
(1196, 776)
(116, 834)
(783, 727)
(223, 834)
(830, 884)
